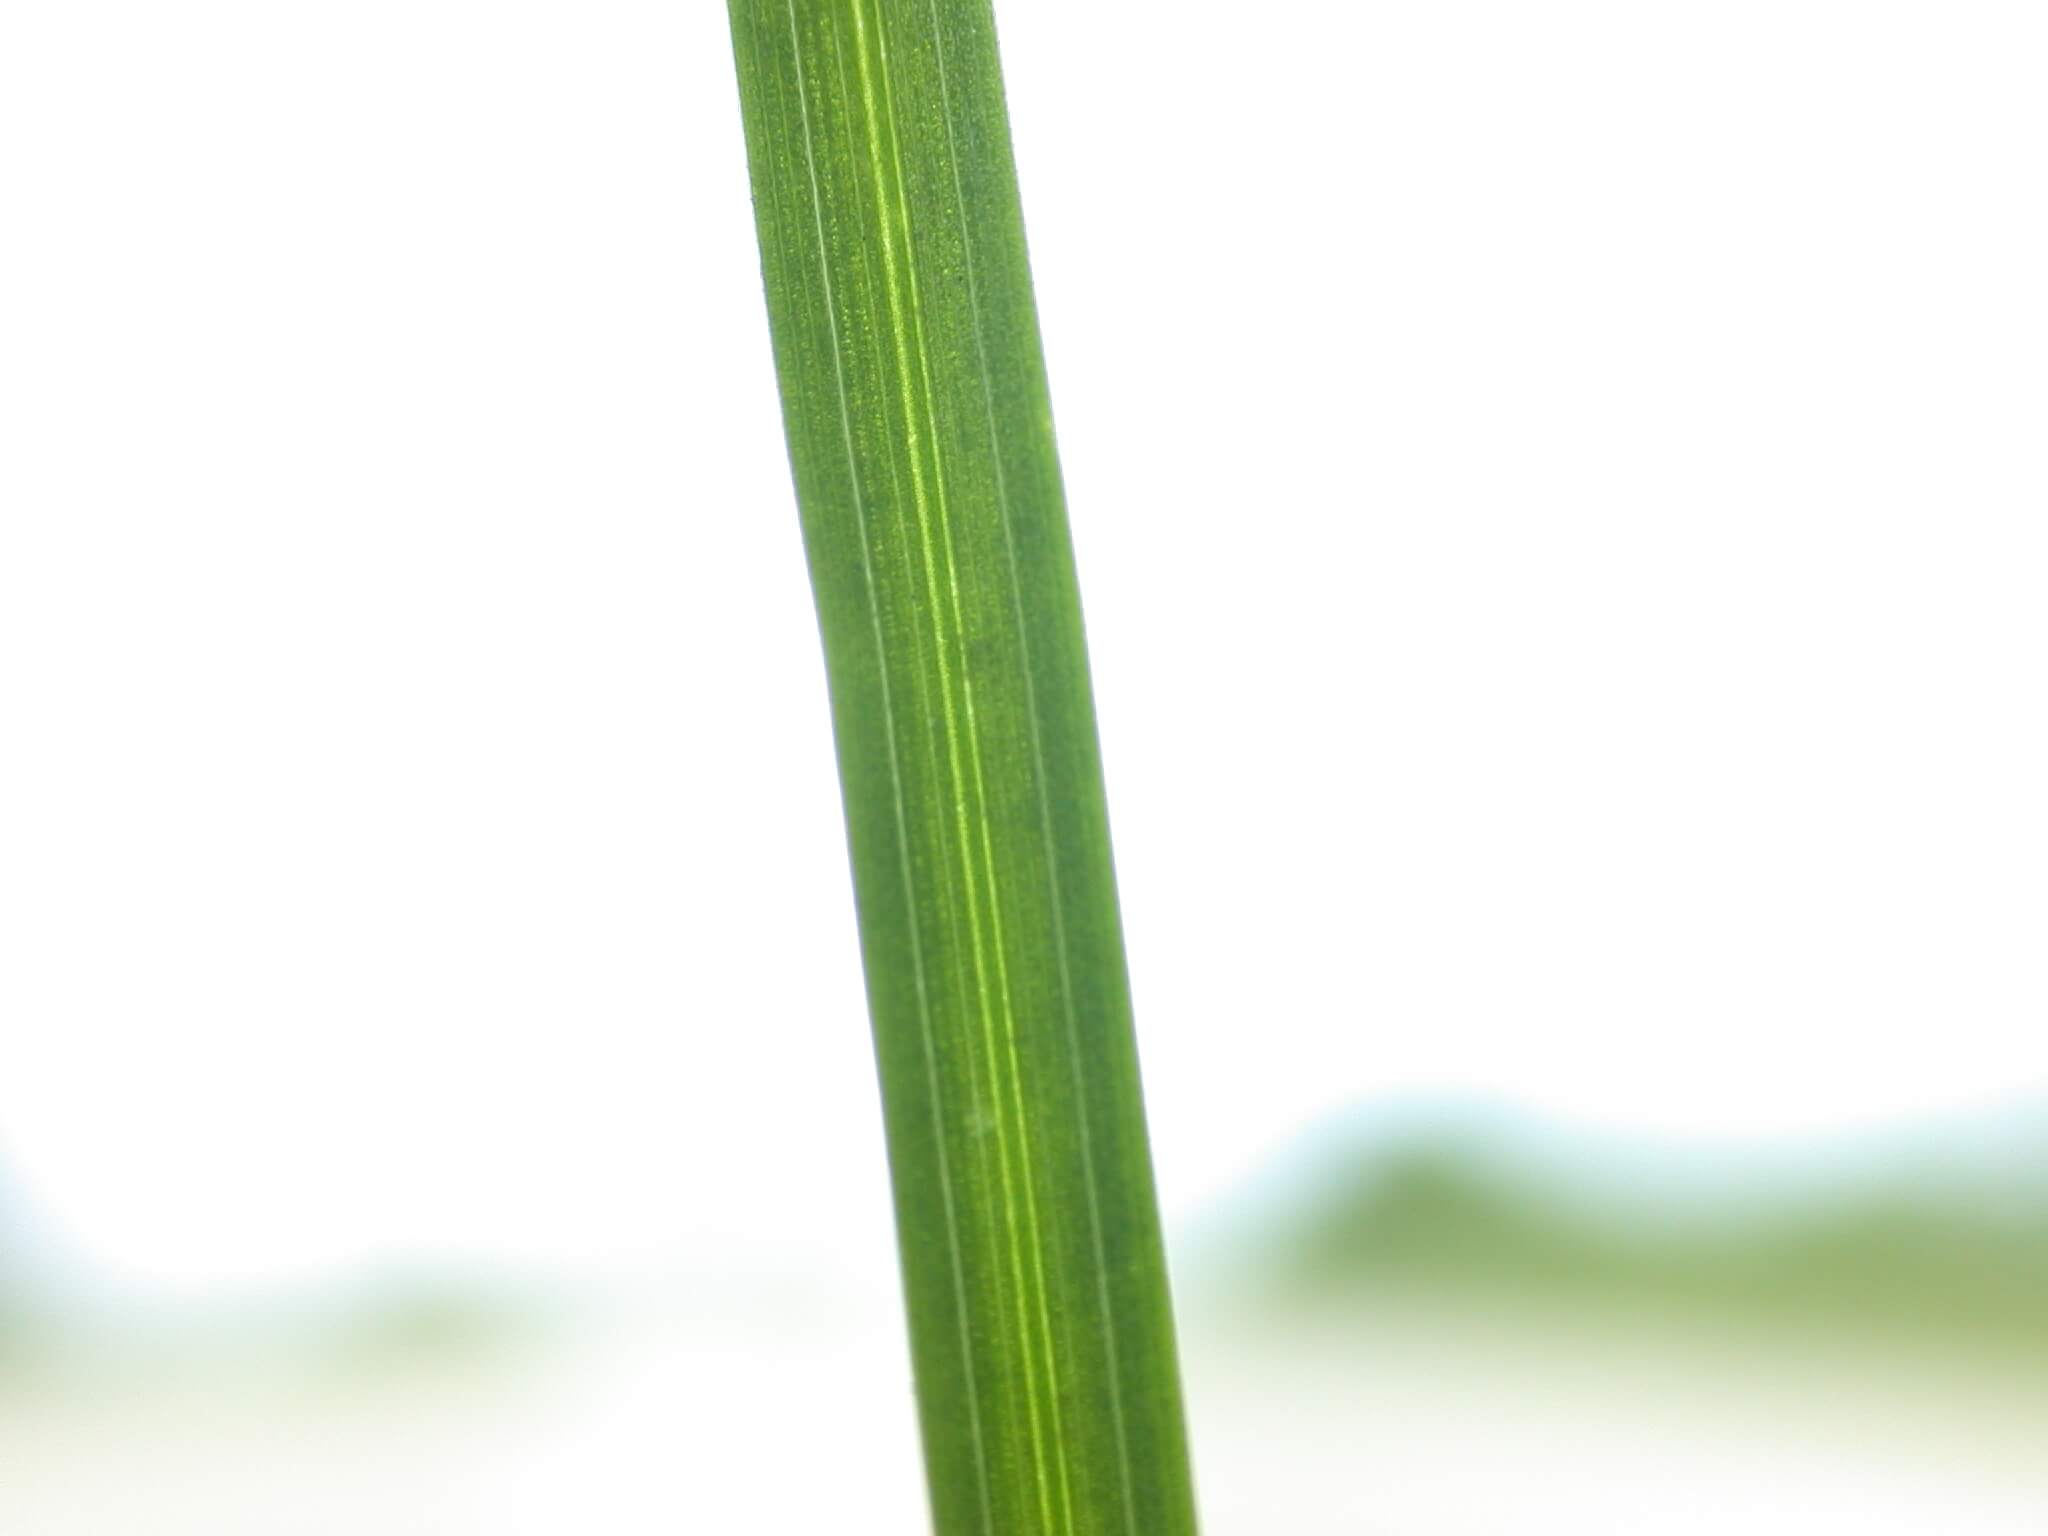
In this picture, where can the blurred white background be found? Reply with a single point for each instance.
(1559, 492)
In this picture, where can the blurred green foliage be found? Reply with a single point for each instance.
(1936, 1261)
(422, 1324)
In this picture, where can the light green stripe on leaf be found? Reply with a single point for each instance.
(914, 398)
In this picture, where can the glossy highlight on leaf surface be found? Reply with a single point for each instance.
(920, 435)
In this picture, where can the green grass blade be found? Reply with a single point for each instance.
(915, 403)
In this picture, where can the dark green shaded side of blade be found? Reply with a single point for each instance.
(914, 397)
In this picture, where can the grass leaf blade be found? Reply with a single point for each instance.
(920, 435)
